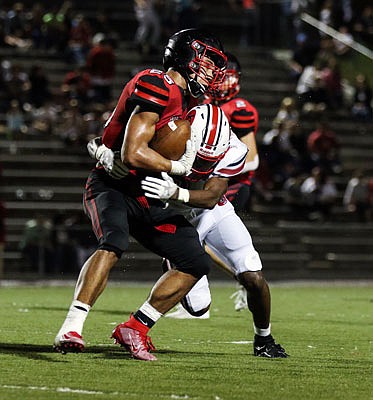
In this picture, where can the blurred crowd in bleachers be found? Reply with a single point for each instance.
(300, 163)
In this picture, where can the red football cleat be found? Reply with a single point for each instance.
(149, 344)
(134, 341)
(70, 342)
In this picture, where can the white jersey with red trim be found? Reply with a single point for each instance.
(233, 161)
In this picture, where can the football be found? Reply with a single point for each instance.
(170, 140)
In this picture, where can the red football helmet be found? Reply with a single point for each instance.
(231, 85)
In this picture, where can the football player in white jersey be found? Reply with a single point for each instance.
(218, 226)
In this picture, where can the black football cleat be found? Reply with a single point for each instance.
(265, 346)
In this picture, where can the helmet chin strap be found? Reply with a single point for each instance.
(195, 88)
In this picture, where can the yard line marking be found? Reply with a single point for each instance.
(58, 389)
(93, 392)
(214, 342)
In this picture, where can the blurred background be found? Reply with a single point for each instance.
(306, 66)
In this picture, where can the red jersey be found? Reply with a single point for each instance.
(101, 62)
(153, 91)
(242, 116)
(243, 119)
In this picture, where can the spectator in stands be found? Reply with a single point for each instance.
(101, 66)
(311, 89)
(39, 86)
(4, 98)
(44, 119)
(80, 40)
(57, 22)
(247, 11)
(342, 44)
(363, 25)
(332, 78)
(94, 120)
(323, 147)
(72, 128)
(326, 14)
(297, 138)
(287, 110)
(294, 197)
(36, 25)
(277, 156)
(303, 55)
(77, 85)
(148, 33)
(36, 243)
(319, 194)
(17, 83)
(356, 197)
(102, 24)
(16, 27)
(15, 121)
(362, 99)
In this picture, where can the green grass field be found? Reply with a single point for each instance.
(327, 330)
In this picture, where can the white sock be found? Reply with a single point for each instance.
(150, 312)
(262, 332)
(75, 318)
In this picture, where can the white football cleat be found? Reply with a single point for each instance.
(70, 342)
(180, 313)
(240, 299)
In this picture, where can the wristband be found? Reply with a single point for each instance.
(183, 195)
(177, 168)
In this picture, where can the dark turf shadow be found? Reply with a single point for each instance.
(110, 352)
(94, 310)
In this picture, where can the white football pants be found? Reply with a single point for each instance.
(227, 236)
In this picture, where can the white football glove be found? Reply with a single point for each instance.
(163, 189)
(183, 165)
(110, 160)
(93, 145)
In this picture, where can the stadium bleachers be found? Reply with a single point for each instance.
(42, 175)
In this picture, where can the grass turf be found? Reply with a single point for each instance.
(327, 330)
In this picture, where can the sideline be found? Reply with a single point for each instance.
(213, 283)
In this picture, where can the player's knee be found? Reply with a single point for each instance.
(112, 249)
(196, 312)
(252, 280)
(198, 267)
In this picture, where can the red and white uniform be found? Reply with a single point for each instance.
(243, 119)
(223, 230)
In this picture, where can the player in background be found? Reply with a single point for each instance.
(115, 203)
(226, 236)
(243, 119)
